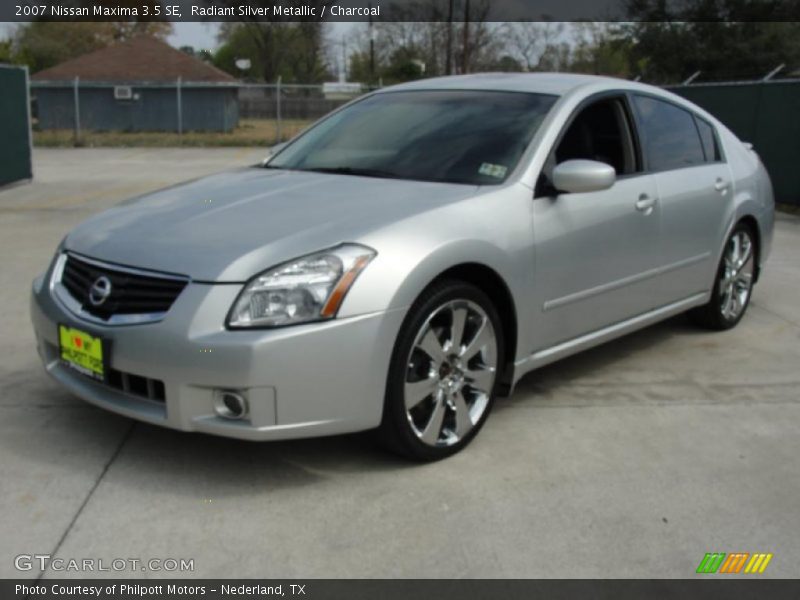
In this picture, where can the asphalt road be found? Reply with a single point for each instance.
(630, 460)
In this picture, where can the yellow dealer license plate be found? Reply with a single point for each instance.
(83, 352)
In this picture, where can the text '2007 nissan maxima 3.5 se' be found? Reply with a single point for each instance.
(407, 259)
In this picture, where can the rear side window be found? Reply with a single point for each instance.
(671, 139)
(709, 140)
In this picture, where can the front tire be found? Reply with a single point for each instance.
(733, 285)
(443, 374)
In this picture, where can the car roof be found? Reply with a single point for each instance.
(542, 83)
(557, 84)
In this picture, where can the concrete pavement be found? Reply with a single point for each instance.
(631, 460)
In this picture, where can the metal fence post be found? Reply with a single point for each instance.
(180, 107)
(774, 72)
(30, 119)
(691, 78)
(77, 119)
(278, 110)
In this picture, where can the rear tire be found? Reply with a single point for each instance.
(443, 375)
(733, 285)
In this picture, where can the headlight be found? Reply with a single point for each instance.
(310, 288)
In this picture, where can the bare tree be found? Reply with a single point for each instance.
(426, 32)
(479, 41)
(534, 44)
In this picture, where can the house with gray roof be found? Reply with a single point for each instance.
(142, 84)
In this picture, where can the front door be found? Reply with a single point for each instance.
(597, 252)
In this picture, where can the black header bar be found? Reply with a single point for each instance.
(398, 10)
(706, 587)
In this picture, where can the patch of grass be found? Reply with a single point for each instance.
(250, 132)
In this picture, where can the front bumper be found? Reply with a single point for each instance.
(301, 381)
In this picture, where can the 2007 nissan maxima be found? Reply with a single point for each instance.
(406, 259)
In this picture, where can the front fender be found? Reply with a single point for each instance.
(494, 230)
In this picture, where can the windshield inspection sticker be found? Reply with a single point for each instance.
(491, 170)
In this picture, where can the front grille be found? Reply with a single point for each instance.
(131, 293)
(134, 385)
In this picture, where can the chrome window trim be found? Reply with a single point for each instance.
(60, 293)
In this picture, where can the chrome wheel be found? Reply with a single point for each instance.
(737, 277)
(450, 373)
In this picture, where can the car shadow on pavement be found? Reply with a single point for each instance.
(152, 458)
(44, 424)
(591, 365)
(193, 461)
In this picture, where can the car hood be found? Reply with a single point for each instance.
(229, 227)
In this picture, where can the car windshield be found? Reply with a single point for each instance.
(470, 137)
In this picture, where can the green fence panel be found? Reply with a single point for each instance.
(777, 138)
(766, 114)
(15, 141)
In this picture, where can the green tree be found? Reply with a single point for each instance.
(723, 39)
(600, 49)
(404, 66)
(43, 44)
(293, 51)
(360, 66)
(6, 52)
(238, 44)
(507, 64)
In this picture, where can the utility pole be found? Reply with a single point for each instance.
(465, 53)
(372, 46)
(343, 74)
(77, 102)
(448, 65)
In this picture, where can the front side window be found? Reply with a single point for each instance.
(456, 136)
(600, 132)
(671, 139)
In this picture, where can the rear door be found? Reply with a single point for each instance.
(694, 187)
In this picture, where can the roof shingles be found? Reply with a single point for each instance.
(140, 59)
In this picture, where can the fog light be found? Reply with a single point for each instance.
(230, 405)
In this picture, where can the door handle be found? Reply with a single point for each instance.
(721, 185)
(645, 204)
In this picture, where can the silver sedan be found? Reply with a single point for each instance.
(407, 259)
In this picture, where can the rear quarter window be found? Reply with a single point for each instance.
(709, 140)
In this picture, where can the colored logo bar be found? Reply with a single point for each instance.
(733, 563)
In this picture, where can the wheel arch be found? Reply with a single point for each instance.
(494, 286)
(752, 223)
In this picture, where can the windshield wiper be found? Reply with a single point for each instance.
(366, 172)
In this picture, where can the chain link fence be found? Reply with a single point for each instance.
(764, 112)
(81, 113)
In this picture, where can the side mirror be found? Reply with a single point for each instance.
(272, 151)
(577, 176)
